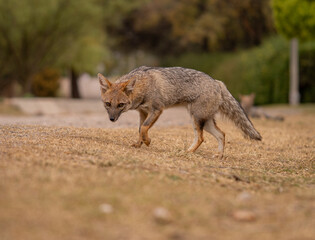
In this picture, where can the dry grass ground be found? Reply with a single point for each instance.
(53, 181)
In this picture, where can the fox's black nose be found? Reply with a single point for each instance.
(112, 119)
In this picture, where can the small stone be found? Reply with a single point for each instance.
(244, 216)
(244, 196)
(280, 189)
(106, 208)
(162, 215)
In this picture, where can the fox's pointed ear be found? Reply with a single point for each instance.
(128, 85)
(104, 82)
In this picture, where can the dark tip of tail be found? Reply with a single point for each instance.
(258, 138)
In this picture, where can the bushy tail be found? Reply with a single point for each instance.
(233, 110)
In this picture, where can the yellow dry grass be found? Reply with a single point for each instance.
(53, 181)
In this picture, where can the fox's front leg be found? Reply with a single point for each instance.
(143, 116)
(151, 118)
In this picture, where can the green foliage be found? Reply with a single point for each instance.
(263, 70)
(86, 54)
(165, 26)
(295, 18)
(115, 11)
(46, 83)
(40, 33)
(307, 76)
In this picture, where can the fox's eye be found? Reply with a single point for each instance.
(107, 104)
(120, 105)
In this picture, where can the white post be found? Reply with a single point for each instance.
(294, 97)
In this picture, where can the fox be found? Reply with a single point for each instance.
(150, 90)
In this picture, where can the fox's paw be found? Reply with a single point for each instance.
(137, 145)
(219, 156)
(147, 141)
(192, 149)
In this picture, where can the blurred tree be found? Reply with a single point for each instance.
(35, 34)
(172, 26)
(247, 23)
(116, 21)
(295, 19)
(85, 56)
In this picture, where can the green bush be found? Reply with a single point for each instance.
(307, 72)
(263, 70)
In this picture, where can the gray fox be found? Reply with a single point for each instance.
(152, 89)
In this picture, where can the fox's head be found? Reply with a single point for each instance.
(115, 96)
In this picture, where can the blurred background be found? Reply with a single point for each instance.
(54, 48)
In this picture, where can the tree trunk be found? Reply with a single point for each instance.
(294, 97)
(75, 93)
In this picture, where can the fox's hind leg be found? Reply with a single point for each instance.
(211, 127)
(198, 130)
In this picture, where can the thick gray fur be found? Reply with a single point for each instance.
(152, 89)
(203, 95)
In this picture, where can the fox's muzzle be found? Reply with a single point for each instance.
(113, 118)
(113, 114)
